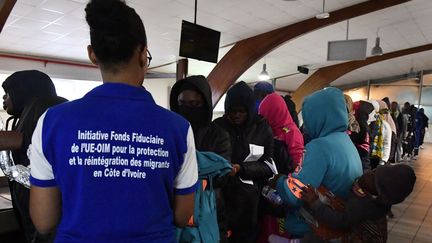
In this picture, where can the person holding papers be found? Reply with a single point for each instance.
(252, 144)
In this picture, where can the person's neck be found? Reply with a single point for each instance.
(129, 76)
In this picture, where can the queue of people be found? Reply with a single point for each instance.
(193, 179)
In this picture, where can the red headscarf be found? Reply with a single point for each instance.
(275, 111)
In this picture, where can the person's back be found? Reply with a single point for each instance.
(110, 172)
(113, 166)
(361, 139)
(330, 159)
(274, 110)
(363, 216)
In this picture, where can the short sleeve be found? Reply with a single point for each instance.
(186, 180)
(41, 173)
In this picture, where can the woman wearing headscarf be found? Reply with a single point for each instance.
(361, 139)
(401, 122)
(353, 125)
(381, 139)
(385, 110)
(275, 111)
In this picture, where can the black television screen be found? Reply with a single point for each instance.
(199, 42)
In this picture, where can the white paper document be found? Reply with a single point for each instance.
(255, 152)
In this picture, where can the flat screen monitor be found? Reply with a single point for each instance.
(199, 42)
(346, 50)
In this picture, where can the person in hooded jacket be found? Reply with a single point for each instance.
(417, 134)
(192, 98)
(353, 125)
(261, 90)
(247, 130)
(408, 145)
(330, 160)
(424, 127)
(401, 122)
(371, 198)
(275, 111)
(292, 109)
(391, 120)
(361, 139)
(381, 136)
(28, 94)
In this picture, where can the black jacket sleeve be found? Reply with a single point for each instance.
(360, 137)
(222, 143)
(258, 170)
(356, 211)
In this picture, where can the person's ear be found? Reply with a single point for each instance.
(143, 58)
(92, 55)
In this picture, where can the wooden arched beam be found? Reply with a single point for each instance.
(5, 10)
(246, 52)
(324, 76)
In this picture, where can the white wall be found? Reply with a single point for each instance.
(73, 82)
(160, 89)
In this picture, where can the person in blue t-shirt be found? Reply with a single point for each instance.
(113, 166)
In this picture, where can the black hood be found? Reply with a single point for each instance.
(24, 86)
(365, 108)
(394, 182)
(241, 94)
(387, 101)
(200, 84)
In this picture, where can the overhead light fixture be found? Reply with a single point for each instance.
(323, 14)
(264, 76)
(377, 50)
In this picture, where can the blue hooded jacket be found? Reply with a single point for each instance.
(330, 159)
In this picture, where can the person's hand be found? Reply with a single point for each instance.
(309, 195)
(235, 169)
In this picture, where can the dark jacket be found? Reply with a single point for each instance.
(241, 198)
(363, 216)
(32, 93)
(209, 137)
(361, 139)
(254, 131)
(28, 121)
(292, 109)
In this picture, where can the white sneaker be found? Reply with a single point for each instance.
(422, 147)
(415, 157)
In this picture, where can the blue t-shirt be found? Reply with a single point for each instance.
(118, 159)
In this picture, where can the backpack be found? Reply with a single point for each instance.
(203, 226)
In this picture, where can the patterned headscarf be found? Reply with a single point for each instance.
(377, 147)
(353, 125)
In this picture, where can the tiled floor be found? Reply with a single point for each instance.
(413, 217)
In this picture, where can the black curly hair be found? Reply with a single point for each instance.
(116, 31)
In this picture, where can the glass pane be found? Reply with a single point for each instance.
(400, 94)
(357, 93)
(407, 82)
(428, 112)
(427, 79)
(426, 98)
